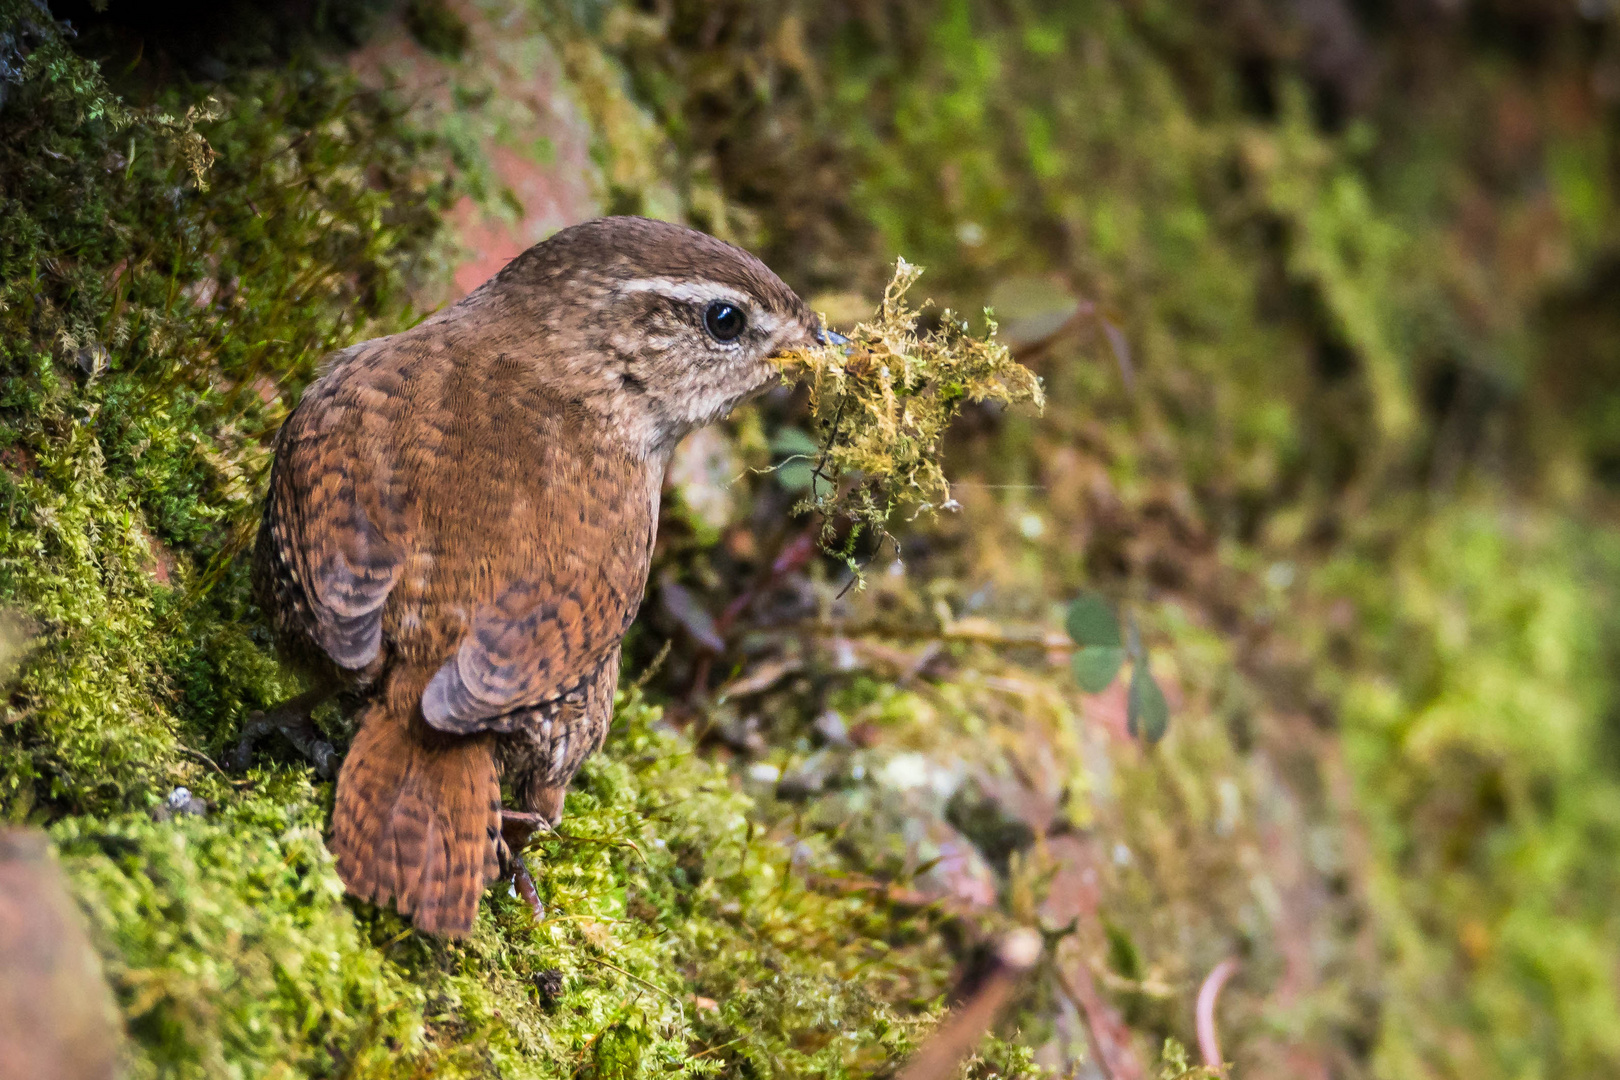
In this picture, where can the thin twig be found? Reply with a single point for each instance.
(637, 978)
(211, 763)
(652, 669)
(976, 634)
(832, 440)
(399, 937)
(790, 556)
(605, 842)
(722, 1046)
(960, 1034)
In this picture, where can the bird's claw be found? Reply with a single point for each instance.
(299, 730)
(523, 883)
(517, 829)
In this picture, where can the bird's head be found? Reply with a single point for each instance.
(660, 327)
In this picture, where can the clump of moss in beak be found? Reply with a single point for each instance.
(881, 400)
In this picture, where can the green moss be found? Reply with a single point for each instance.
(686, 941)
(153, 331)
(229, 946)
(882, 403)
(1477, 733)
(1249, 440)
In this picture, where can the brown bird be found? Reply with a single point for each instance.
(459, 526)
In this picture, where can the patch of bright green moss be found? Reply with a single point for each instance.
(678, 939)
(153, 329)
(154, 332)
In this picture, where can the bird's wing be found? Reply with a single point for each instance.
(342, 519)
(559, 612)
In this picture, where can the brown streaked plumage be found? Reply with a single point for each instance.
(459, 526)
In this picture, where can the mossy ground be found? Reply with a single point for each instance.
(157, 325)
(1337, 303)
(1329, 413)
(677, 940)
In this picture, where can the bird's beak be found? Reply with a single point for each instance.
(828, 337)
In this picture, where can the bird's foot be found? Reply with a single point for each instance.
(292, 720)
(523, 884)
(519, 826)
(517, 829)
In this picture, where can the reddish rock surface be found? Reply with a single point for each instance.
(506, 94)
(57, 1020)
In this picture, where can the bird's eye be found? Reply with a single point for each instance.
(724, 321)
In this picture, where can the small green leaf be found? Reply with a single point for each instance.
(1147, 714)
(790, 442)
(1091, 622)
(1096, 665)
(1123, 955)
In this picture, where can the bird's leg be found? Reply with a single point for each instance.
(291, 718)
(517, 827)
(524, 884)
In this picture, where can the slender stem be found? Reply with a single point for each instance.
(637, 978)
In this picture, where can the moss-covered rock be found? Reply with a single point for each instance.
(158, 319)
(1313, 423)
(676, 938)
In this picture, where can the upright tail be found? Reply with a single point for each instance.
(417, 818)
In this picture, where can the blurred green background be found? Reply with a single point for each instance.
(1326, 298)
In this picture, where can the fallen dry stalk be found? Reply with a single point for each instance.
(1209, 1042)
(963, 1030)
(966, 631)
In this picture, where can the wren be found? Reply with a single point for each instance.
(459, 526)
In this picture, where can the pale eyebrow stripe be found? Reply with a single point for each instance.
(702, 291)
(690, 291)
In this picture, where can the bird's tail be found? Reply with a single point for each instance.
(417, 818)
